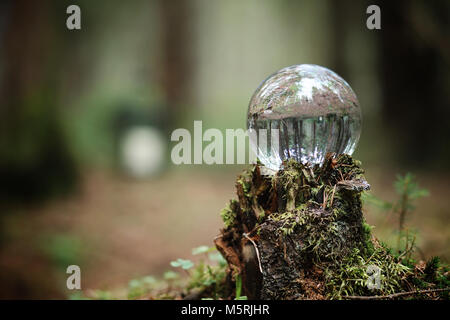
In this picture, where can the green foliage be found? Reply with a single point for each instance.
(170, 275)
(432, 275)
(63, 250)
(442, 279)
(205, 275)
(216, 256)
(102, 295)
(290, 220)
(238, 286)
(322, 207)
(408, 191)
(350, 277)
(141, 286)
(407, 186)
(184, 264)
(431, 268)
(202, 249)
(228, 215)
(368, 239)
(244, 180)
(326, 216)
(77, 295)
(208, 277)
(239, 289)
(369, 198)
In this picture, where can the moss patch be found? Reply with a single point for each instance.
(313, 242)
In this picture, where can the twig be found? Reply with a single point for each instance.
(395, 295)
(256, 249)
(332, 196)
(325, 198)
(342, 177)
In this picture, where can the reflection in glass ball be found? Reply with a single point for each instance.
(303, 112)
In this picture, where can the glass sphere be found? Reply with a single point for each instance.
(303, 112)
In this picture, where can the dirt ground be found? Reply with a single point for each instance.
(118, 229)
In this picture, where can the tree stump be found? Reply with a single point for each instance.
(285, 229)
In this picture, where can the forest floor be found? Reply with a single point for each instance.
(117, 229)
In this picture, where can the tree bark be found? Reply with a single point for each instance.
(283, 226)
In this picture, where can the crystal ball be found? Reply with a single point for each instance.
(303, 112)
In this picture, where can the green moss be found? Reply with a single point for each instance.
(290, 220)
(333, 243)
(207, 278)
(431, 268)
(228, 215)
(321, 209)
(367, 229)
(352, 275)
(245, 179)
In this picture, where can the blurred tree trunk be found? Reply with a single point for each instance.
(34, 160)
(176, 54)
(339, 22)
(415, 60)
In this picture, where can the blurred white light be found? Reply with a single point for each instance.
(143, 151)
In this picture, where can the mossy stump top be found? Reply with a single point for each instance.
(301, 234)
(283, 226)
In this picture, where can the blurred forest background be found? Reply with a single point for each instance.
(70, 194)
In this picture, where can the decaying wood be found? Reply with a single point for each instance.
(285, 223)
